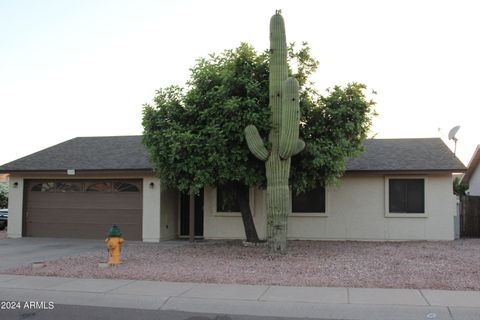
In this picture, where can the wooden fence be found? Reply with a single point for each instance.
(470, 216)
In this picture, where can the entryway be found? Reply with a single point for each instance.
(184, 215)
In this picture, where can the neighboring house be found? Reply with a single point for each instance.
(398, 189)
(472, 176)
(3, 178)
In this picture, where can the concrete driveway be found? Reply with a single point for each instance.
(24, 251)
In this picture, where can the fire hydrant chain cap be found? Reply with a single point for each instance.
(114, 232)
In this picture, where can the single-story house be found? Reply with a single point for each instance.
(472, 176)
(398, 189)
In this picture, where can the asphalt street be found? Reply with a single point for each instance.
(70, 312)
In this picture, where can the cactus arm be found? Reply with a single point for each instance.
(299, 147)
(255, 143)
(290, 118)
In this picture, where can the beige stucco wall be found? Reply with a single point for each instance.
(15, 207)
(355, 210)
(151, 210)
(474, 183)
(168, 214)
(160, 209)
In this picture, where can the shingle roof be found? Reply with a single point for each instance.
(86, 153)
(128, 153)
(421, 154)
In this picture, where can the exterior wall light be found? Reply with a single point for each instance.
(152, 185)
(15, 184)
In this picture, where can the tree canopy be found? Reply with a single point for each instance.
(3, 195)
(459, 189)
(195, 134)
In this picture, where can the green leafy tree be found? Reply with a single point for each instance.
(195, 135)
(3, 195)
(458, 188)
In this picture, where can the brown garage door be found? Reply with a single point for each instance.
(83, 209)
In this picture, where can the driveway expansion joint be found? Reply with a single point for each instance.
(450, 313)
(184, 292)
(263, 293)
(164, 303)
(124, 285)
(425, 298)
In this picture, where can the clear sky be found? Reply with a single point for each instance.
(85, 68)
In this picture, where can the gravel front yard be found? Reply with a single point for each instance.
(451, 265)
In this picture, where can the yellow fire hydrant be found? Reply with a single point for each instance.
(114, 245)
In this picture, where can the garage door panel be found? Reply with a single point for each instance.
(82, 214)
(89, 231)
(69, 215)
(85, 200)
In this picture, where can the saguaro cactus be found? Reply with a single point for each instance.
(283, 137)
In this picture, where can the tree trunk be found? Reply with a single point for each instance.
(239, 193)
(191, 218)
(247, 218)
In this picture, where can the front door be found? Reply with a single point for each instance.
(184, 215)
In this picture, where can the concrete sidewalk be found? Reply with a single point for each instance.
(280, 301)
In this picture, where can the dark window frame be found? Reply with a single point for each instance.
(406, 196)
(318, 208)
(219, 198)
(128, 186)
(60, 186)
(251, 201)
(90, 184)
(41, 183)
(57, 185)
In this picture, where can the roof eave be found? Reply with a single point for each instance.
(472, 166)
(77, 170)
(413, 172)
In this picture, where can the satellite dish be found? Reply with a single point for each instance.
(451, 136)
(452, 133)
